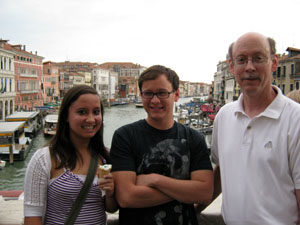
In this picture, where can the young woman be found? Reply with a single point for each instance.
(55, 174)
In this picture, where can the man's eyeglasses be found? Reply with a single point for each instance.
(256, 60)
(160, 94)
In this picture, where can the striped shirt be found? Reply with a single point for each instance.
(61, 195)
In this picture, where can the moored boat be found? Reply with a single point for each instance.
(50, 123)
(13, 143)
(32, 122)
(139, 105)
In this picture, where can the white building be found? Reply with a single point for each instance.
(113, 84)
(101, 82)
(219, 84)
(7, 83)
(229, 89)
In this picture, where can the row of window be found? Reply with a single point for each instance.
(22, 58)
(54, 70)
(6, 84)
(30, 71)
(27, 85)
(295, 68)
(8, 109)
(28, 59)
(282, 87)
(6, 63)
(51, 79)
(30, 98)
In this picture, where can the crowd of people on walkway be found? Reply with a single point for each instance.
(162, 171)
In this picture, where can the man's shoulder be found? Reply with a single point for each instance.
(229, 107)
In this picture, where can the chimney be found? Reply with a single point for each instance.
(24, 47)
(36, 52)
(3, 42)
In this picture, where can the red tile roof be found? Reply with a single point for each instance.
(293, 49)
(122, 65)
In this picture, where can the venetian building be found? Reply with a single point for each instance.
(28, 72)
(287, 75)
(128, 74)
(181, 88)
(50, 83)
(101, 82)
(219, 82)
(7, 82)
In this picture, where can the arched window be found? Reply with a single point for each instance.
(11, 106)
(6, 108)
(1, 110)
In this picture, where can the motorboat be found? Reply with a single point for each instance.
(50, 123)
(14, 145)
(32, 122)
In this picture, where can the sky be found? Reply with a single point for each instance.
(190, 36)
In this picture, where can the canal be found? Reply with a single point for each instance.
(12, 176)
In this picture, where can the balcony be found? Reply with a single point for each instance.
(7, 72)
(28, 75)
(29, 91)
(295, 76)
(7, 94)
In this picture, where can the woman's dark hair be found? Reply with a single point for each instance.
(61, 147)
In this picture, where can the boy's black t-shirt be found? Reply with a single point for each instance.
(175, 153)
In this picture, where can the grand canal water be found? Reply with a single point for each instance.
(12, 176)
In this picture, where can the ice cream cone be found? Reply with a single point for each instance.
(104, 170)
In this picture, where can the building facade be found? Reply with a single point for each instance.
(287, 75)
(128, 74)
(50, 85)
(7, 85)
(28, 69)
(101, 82)
(219, 82)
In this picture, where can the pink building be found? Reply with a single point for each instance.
(28, 78)
(50, 82)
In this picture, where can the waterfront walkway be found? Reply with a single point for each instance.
(11, 211)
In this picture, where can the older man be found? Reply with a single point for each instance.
(256, 142)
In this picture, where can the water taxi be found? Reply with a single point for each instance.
(13, 142)
(50, 123)
(32, 121)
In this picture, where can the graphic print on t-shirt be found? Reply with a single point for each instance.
(169, 157)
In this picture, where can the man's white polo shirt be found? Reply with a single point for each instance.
(259, 159)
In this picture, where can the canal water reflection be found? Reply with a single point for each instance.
(12, 176)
